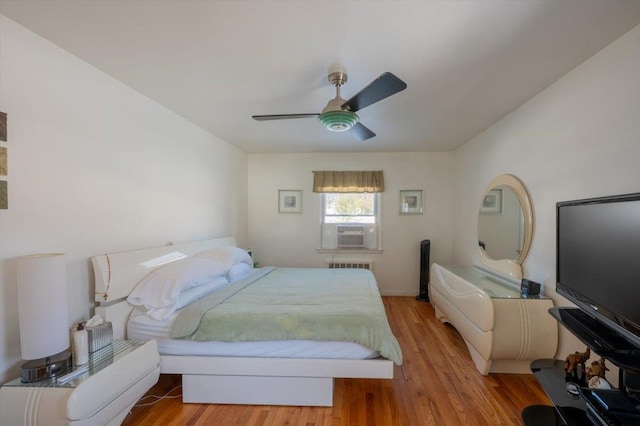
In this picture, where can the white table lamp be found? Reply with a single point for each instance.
(44, 317)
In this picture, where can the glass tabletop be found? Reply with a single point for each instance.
(493, 285)
(98, 360)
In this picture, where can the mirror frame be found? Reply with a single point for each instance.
(509, 267)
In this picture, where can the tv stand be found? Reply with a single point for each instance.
(599, 338)
(586, 408)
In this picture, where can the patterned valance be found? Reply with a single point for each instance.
(348, 181)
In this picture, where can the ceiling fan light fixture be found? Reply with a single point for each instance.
(338, 121)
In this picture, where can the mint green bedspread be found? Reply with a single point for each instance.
(293, 304)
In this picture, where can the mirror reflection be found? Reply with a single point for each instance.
(501, 224)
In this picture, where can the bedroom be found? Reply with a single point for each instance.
(149, 176)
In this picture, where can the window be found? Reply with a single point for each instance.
(350, 212)
(350, 221)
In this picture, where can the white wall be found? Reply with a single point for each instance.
(287, 239)
(95, 167)
(579, 138)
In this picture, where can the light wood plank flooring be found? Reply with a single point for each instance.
(437, 384)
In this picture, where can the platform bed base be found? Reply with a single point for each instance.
(267, 381)
(297, 391)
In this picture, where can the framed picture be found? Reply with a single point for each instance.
(411, 201)
(3, 161)
(492, 202)
(289, 201)
(4, 204)
(3, 126)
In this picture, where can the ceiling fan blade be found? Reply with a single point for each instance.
(282, 116)
(382, 87)
(361, 132)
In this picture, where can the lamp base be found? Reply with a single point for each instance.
(36, 370)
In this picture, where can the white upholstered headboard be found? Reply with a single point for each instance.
(116, 274)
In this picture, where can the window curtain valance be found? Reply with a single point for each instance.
(348, 181)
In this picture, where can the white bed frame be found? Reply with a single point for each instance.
(224, 380)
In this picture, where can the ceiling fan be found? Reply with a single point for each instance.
(340, 115)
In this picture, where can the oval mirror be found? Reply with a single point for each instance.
(505, 225)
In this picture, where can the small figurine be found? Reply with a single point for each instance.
(578, 358)
(597, 369)
(598, 383)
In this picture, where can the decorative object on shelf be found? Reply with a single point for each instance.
(289, 201)
(597, 382)
(577, 359)
(411, 201)
(575, 369)
(44, 320)
(597, 369)
(492, 202)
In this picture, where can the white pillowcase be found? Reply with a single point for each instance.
(228, 255)
(239, 271)
(188, 296)
(161, 288)
(195, 293)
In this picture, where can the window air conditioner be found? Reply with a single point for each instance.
(350, 236)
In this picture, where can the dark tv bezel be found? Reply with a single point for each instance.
(615, 321)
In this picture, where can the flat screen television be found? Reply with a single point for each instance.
(598, 259)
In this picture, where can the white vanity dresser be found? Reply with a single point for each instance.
(503, 330)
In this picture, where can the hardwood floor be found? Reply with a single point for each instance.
(437, 384)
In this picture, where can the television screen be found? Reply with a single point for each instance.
(598, 259)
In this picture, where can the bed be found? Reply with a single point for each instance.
(294, 368)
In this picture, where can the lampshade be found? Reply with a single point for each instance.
(42, 298)
(338, 121)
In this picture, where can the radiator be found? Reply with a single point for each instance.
(355, 264)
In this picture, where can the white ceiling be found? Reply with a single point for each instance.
(466, 63)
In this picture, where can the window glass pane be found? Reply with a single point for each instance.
(352, 208)
(349, 219)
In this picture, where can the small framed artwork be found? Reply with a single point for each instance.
(4, 203)
(492, 202)
(3, 126)
(3, 161)
(289, 201)
(411, 201)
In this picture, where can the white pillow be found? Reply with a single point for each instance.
(188, 296)
(239, 271)
(229, 255)
(162, 287)
(195, 293)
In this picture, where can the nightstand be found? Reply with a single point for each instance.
(108, 386)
